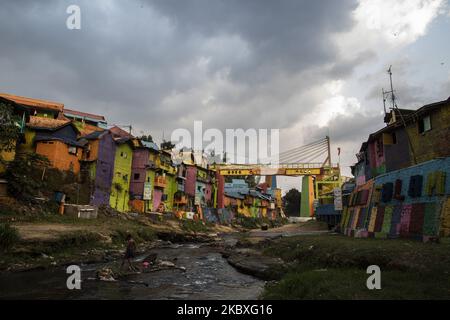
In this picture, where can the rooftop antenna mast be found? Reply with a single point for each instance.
(394, 105)
(391, 93)
(384, 99)
(395, 108)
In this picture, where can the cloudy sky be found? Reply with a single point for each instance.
(308, 68)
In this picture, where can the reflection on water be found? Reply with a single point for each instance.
(207, 276)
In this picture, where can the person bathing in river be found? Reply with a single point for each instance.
(130, 253)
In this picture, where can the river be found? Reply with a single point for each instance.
(208, 276)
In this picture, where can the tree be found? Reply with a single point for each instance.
(24, 175)
(9, 128)
(167, 145)
(147, 138)
(292, 202)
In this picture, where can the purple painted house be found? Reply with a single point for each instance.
(99, 158)
(138, 172)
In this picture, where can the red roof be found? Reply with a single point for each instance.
(120, 133)
(37, 103)
(84, 114)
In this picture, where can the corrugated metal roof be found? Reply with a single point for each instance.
(94, 135)
(81, 114)
(36, 103)
(150, 145)
(235, 195)
(118, 132)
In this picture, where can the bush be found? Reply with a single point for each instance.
(24, 175)
(146, 234)
(8, 236)
(248, 222)
(194, 226)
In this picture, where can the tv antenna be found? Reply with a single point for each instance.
(391, 92)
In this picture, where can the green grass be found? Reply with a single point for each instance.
(9, 236)
(194, 226)
(334, 267)
(139, 234)
(351, 284)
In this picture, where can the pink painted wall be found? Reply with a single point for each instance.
(157, 195)
(191, 178)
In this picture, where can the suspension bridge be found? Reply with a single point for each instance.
(312, 162)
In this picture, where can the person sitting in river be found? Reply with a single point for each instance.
(130, 253)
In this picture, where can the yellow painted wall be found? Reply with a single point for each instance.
(434, 143)
(28, 146)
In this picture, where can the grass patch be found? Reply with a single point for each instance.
(9, 236)
(142, 234)
(194, 226)
(350, 284)
(334, 267)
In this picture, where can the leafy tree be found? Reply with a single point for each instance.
(9, 129)
(292, 202)
(147, 138)
(167, 145)
(24, 175)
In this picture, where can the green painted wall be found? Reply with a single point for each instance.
(307, 197)
(120, 190)
(170, 190)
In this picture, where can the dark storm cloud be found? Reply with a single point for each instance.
(130, 58)
(284, 36)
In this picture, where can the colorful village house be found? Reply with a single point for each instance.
(37, 107)
(57, 140)
(180, 200)
(120, 189)
(98, 158)
(26, 107)
(190, 185)
(165, 185)
(402, 177)
(235, 193)
(143, 175)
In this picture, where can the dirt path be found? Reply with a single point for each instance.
(45, 231)
(288, 230)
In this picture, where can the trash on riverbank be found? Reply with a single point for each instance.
(105, 274)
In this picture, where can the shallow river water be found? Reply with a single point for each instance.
(208, 276)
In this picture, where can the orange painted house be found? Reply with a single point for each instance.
(57, 140)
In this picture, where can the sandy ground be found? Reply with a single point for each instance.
(42, 231)
(295, 229)
(45, 231)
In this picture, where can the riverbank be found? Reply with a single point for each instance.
(332, 266)
(45, 241)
